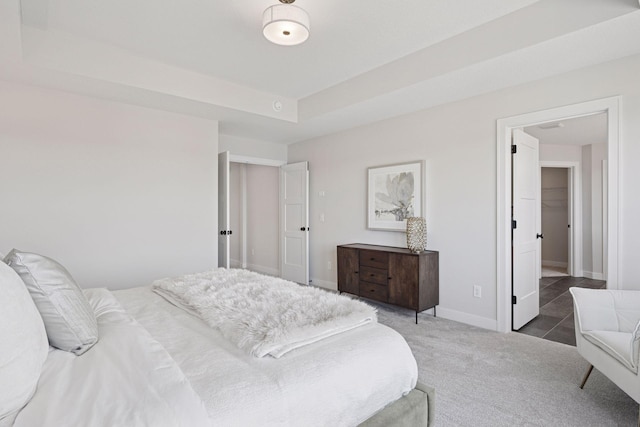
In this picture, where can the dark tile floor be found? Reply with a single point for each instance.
(555, 321)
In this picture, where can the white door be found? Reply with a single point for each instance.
(223, 210)
(526, 228)
(294, 222)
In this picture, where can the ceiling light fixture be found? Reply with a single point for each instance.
(551, 125)
(285, 24)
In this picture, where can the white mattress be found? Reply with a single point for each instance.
(339, 381)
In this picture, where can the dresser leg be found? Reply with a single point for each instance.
(434, 311)
(416, 317)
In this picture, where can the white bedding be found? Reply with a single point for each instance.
(157, 365)
(339, 381)
(126, 379)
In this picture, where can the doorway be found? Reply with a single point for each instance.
(610, 106)
(253, 217)
(556, 221)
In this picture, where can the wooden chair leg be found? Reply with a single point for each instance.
(584, 380)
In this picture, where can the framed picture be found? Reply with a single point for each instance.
(395, 193)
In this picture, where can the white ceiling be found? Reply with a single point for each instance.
(586, 130)
(365, 60)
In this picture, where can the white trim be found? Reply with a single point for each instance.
(503, 187)
(236, 158)
(469, 319)
(547, 263)
(243, 208)
(593, 275)
(324, 284)
(575, 208)
(269, 271)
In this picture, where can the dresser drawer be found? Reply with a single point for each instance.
(376, 259)
(373, 291)
(374, 275)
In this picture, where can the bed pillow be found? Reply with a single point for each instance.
(68, 318)
(23, 347)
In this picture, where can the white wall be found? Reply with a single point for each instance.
(555, 216)
(253, 148)
(120, 195)
(565, 153)
(263, 219)
(458, 143)
(235, 213)
(593, 258)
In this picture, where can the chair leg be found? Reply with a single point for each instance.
(584, 380)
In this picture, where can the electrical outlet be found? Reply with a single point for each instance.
(328, 265)
(253, 251)
(322, 217)
(477, 291)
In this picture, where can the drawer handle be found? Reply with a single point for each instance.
(356, 272)
(372, 290)
(371, 275)
(373, 259)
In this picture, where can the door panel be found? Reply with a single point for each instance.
(348, 273)
(294, 222)
(525, 243)
(403, 280)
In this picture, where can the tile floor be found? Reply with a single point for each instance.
(555, 321)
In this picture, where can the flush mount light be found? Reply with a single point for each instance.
(285, 24)
(551, 125)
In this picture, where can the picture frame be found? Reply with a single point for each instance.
(395, 192)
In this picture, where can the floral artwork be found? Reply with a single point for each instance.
(397, 201)
(395, 194)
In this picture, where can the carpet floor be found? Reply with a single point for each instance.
(486, 378)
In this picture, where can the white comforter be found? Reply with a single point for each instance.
(339, 381)
(126, 379)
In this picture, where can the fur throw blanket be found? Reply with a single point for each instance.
(262, 314)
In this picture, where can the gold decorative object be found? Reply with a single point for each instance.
(416, 234)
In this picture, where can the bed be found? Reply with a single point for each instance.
(157, 364)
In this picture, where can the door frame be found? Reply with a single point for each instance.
(504, 128)
(575, 212)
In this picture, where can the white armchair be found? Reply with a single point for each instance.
(608, 335)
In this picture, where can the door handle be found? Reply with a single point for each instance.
(539, 236)
(304, 228)
(223, 232)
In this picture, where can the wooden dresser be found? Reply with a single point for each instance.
(392, 275)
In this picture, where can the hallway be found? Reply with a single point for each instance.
(555, 321)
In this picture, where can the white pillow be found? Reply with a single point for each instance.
(68, 318)
(23, 345)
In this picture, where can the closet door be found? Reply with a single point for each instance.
(294, 222)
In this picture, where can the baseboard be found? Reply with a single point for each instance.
(325, 284)
(592, 275)
(269, 271)
(469, 319)
(547, 263)
(234, 263)
(445, 313)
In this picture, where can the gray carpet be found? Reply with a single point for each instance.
(485, 378)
